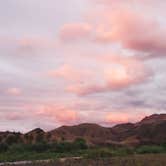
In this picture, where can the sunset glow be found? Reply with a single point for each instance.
(65, 62)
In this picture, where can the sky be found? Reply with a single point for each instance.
(65, 62)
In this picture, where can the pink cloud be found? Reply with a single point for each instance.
(114, 73)
(14, 91)
(58, 113)
(82, 90)
(118, 72)
(75, 31)
(134, 31)
(71, 73)
(127, 71)
(69, 115)
(17, 115)
(115, 118)
(125, 116)
(14, 116)
(112, 3)
(29, 43)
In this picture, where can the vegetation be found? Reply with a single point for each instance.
(151, 149)
(3, 147)
(41, 150)
(134, 160)
(78, 148)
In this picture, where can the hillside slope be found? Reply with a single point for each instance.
(150, 130)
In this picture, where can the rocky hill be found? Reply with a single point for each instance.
(150, 130)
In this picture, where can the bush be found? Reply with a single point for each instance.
(98, 153)
(63, 147)
(3, 147)
(80, 143)
(39, 147)
(123, 151)
(17, 148)
(150, 149)
(163, 145)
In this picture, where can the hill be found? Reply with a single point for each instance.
(150, 130)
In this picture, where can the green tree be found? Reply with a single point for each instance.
(3, 147)
(80, 143)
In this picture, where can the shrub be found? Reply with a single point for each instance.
(150, 149)
(17, 148)
(3, 147)
(64, 147)
(164, 145)
(80, 143)
(39, 147)
(98, 153)
(123, 151)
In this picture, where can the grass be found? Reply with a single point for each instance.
(43, 151)
(32, 156)
(35, 152)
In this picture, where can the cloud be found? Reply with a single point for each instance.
(57, 113)
(14, 91)
(68, 115)
(27, 44)
(82, 62)
(14, 116)
(54, 115)
(118, 72)
(117, 118)
(35, 43)
(124, 117)
(82, 90)
(135, 31)
(69, 72)
(125, 71)
(112, 2)
(75, 31)
(130, 3)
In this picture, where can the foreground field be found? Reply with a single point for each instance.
(67, 154)
(77, 153)
(132, 160)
